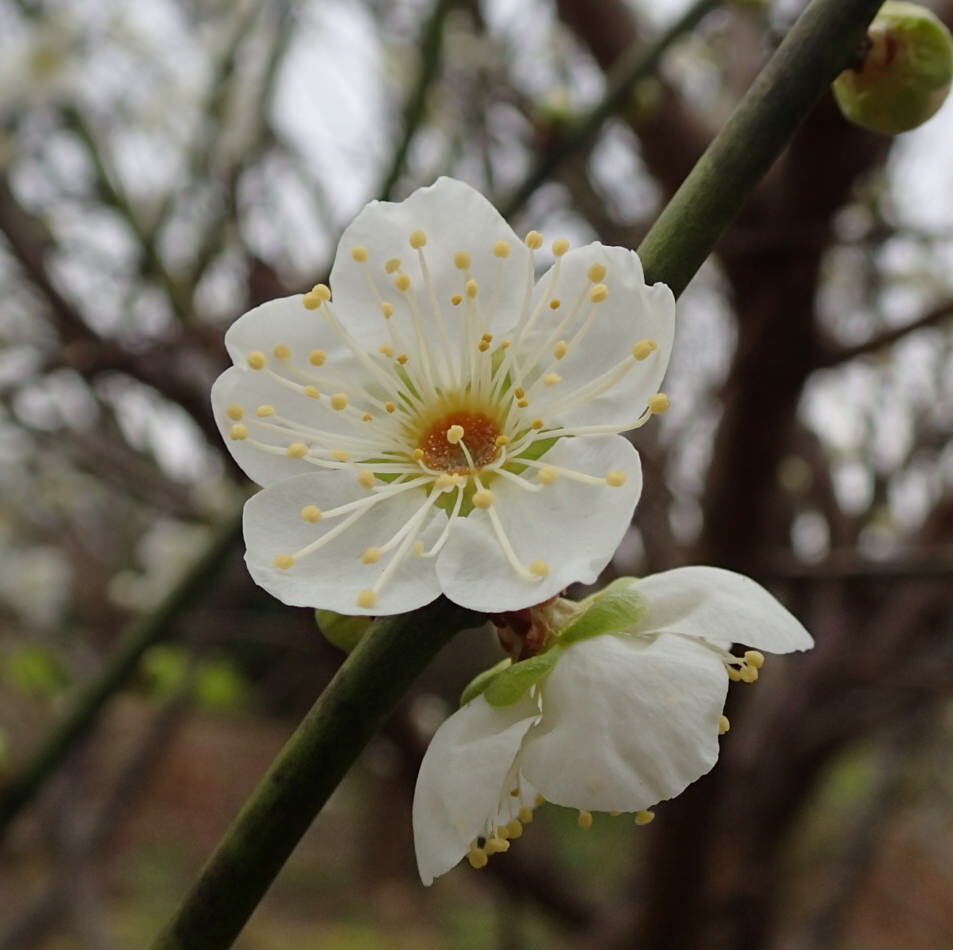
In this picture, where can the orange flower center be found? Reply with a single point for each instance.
(479, 436)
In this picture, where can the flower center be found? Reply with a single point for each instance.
(445, 447)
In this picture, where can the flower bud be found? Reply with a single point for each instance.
(905, 75)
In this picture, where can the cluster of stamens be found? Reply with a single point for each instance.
(444, 409)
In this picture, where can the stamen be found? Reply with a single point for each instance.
(256, 360)
(723, 725)
(282, 352)
(560, 246)
(501, 249)
(311, 513)
(644, 817)
(659, 403)
(417, 240)
(238, 431)
(234, 412)
(596, 273)
(283, 561)
(534, 240)
(461, 260)
(644, 348)
(359, 253)
(584, 820)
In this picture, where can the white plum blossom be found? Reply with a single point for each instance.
(619, 722)
(438, 421)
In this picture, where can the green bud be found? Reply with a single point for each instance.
(906, 72)
(509, 686)
(341, 631)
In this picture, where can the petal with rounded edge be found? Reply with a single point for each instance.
(571, 526)
(627, 722)
(720, 606)
(453, 217)
(632, 312)
(333, 576)
(461, 785)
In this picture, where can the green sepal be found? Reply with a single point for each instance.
(481, 681)
(612, 611)
(340, 630)
(620, 583)
(509, 686)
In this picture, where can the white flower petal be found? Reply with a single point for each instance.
(721, 607)
(573, 527)
(460, 787)
(333, 576)
(454, 217)
(251, 389)
(631, 313)
(627, 722)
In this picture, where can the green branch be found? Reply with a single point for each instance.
(363, 692)
(638, 63)
(819, 46)
(431, 41)
(375, 675)
(138, 637)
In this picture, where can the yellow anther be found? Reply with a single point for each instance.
(454, 434)
(483, 346)
(263, 412)
(501, 249)
(339, 455)
(502, 440)
(317, 357)
(359, 253)
(461, 260)
(238, 431)
(234, 412)
(644, 348)
(522, 403)
(496, 846)
(614, 813)
(501, 832)
(311, 302)
(283, 561)
(402, 359)
(547, 475)
(257, 360)
(616, 478)
(366, 598)
(754, 658)
(444, 480)
(418, 454)
(560, 246)
(311, 514)
(365, 478)
(339, 401)
(539, 568)
(417, 239)
(596, 273)
(560, 349)
(748, 674)
(526, 815)
(321, 291)
(386, 349)
(366, 417)
(505, 344)
(297, 450)
(659, 403)
(598, 293)
(539, 800)
(371, 555)
(418, 548)
(555, 303)
(537, 424)
(483, 498)
(402, 282)
(734, 674)
(392, 265)
(477, 858)
(550, 379)
(723, 725)
(534, 240)
(514, 829)
(519, 392)
(644, 817)
(387, 309)
(389, 407)
(584, 820)
(487, 338)
(312, 392)
(456, 299)
(471, 287)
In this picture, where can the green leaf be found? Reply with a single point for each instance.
(510, 685)
(340, 630)
(610, 612)
(481, 681)
(35, 670)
